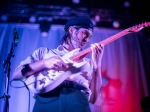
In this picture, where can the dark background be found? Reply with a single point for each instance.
(137, 12)
(139, 8)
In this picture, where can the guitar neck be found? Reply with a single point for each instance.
(83, 53)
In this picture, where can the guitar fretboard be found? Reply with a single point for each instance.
(83, 53)
(136, 28)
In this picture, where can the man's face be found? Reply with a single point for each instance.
(80, 37)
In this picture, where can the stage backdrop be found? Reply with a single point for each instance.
(125, 66)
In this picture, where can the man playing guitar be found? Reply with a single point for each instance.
(60, 83)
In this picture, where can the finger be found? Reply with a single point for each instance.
(93, 52)
(92, 46)
(55, 66)
(97, 45)
(96, 48)
(100, 48)
(61, 63)
(59, 67)
(93, 49)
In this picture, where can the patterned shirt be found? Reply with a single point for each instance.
(82, 77)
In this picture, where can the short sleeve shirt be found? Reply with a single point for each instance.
(83, 77)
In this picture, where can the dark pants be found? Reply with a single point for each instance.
(62, 99)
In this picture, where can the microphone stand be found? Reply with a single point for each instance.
(7, 69)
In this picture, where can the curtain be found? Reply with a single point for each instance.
(125, 66)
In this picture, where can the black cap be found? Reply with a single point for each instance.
(80, 21)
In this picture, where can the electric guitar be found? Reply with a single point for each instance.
(44, 83)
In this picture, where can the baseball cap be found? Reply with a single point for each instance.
(81, 22)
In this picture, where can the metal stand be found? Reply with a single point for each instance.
(7, 69)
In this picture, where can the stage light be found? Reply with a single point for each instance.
(44, 34)
(76, 1)
(116, 24)
(97, 18)
(32, 19)
(44, 27)
(4, 18)
(126, 4)
(94, 22)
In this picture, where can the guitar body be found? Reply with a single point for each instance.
(47, 80)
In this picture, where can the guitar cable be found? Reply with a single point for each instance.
(22, 87)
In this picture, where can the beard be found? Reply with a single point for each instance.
(78, 43)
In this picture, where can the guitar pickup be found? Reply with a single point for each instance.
(44, 72)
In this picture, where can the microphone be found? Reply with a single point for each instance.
(16, 38)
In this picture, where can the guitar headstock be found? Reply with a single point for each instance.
(139, 27)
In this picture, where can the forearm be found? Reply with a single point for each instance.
(29, 69)
(98, 73)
